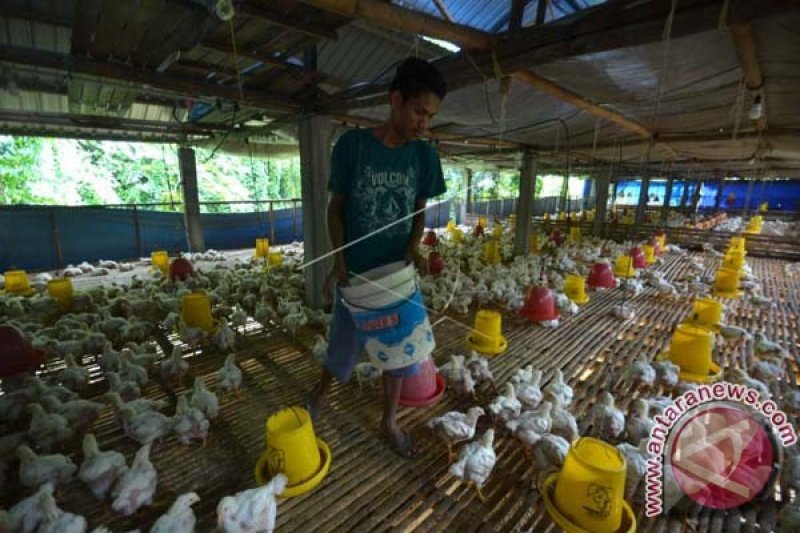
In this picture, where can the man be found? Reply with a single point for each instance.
(378, 177)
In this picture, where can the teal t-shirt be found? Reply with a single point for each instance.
(381, 185)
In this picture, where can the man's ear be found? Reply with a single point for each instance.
(396, 99)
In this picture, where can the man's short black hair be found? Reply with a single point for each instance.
(415, 76)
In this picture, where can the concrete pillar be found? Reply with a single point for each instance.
(564, 194)
(527, 191)
(642, 205)
(667, 198)
(315, 136)
(191, 199)
(601, 204)
(465, 207)
(685, 193)
(696, 196)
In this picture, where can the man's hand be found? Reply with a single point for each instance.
(413, 256)
(337, 276)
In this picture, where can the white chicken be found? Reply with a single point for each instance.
(667, 373)
(639, 424)
(229, 377)
(80, 414)
(506, 406)
(137, 485)
(455, 427)
(320, 349)
(739, 376)
(548, 456)
(146, 426)
(189, 423)
(605, 420)
(522, 375)
(530, 426)
(136, 407)
(192, 336)
(100, 470)
(528, 392)
(767, 371)
(766, 347)
(368, 373)
(74, 375)
(47, 429)
(37, 469)
(174, 366)
(26, 515)
(558, 388)
(204, 400)
(636, 468)
(458, 376)
(730, 332)
(180, 516)
(563, 423)
(130, 371)
(476, 461)
(253, 510)
(127, 390)
(479, 367)
(632, 288)
(55, 520)
(639, 372)
(224, 337)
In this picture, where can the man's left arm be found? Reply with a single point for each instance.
(417, 228)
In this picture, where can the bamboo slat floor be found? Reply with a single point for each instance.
(368, 487)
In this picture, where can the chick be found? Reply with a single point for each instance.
(636, 468)
(766, 347)
(174, 366)
(26, 515)
(476, 461)
(737, 375)
(730, 332)
(558, 388)
(528, 392)
(130, 371)
(548, 456)
(48, 429)
(189, 423)
(74, 375)
(229, 377)
(146, 426)
(458, 376)
(367, 373)
(253, 510)
(55, 520)
(37, 469)
(224, 337)
(563, 423)
(767, 371)
(320, 349)
(136, 407)
(100, 470)
(127, 390)
(605, 420)
(639, 424)
(80, 414)
(530, 426)
(204, 400)
(639, 372)
(136, 486)
(479, 367)
(506, 406)
(667, 373)
(455, 427)
(180, 517)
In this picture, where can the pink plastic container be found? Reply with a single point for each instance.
(539, 305)
(423, 388)
(601, 276)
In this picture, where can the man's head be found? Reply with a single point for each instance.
(415, 95)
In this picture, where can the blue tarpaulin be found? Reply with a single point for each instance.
(782, 195)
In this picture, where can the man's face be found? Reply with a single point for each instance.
(413, 117)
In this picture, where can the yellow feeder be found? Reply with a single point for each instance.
(160, 260)
(662, 241)
(486, 336)
(17, 282)
(275, 258)
(707, 313)
(733, 260)
(589, 492)
(575, 289)
(737, 244)
(763, 207)
(196, 311)
(623, 267)
(451, 225)
(649, 253)
(60, 290)
(491, 252)
(547, 217)
(483, 221)
(497, 231)
(691, 349)
(262, 248)
(727, 283)
(457, 235)
(575, 234)
(562, 216)
(293, 449)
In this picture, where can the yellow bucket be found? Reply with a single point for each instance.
(562, 216)
(196, 311)
(649, 253)
(483, 221)
(491, 252)
(575, 234)
(628, 219)
(575, 289)
(486, 337)
(662, 242)
(727, 283)
(707, 312)
(262, 247)
(497, 231)
(691, 350)
(547, 217)
(160, 260)
(275, 258)
(457, 235)
(763, 207)
(291, 445)
(737, 243)
(451, 225)
(60, 290)
(734, 260)
(623, 267)
(590, 489)
(17, 282)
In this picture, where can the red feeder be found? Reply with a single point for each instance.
(435, 262)
(601, 276)
(539, 305)
(557, 237)
(638, 257)
(180, 268)
(430, 239)
(424, 388)
(479, 231)
(16, 353)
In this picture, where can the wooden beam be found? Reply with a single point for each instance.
(541, 11)
(186, 86)
(744, 39)
(516, 16)
(406, 20)
(248, 53)
(289, 20)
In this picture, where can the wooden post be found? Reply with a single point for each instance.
(600, 204)
(191, 202)
(294, 220)
(468, 206)
(746, 207)
(56, 238)
(137, 230)
(667, 198)
(684, 193)
(564, 194)
(315, 134)
(272, 222)
(718, 199)
(527, 192)
(641, 206)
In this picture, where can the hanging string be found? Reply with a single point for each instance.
(665, 37)
(236, 60)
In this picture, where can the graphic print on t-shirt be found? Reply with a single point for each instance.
(383, 197)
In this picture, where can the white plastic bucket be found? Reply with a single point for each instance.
(388, 311)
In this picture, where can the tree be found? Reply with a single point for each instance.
(18, 158)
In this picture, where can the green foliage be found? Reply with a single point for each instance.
(18, 158)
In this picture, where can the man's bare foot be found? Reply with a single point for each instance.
(400, 441)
